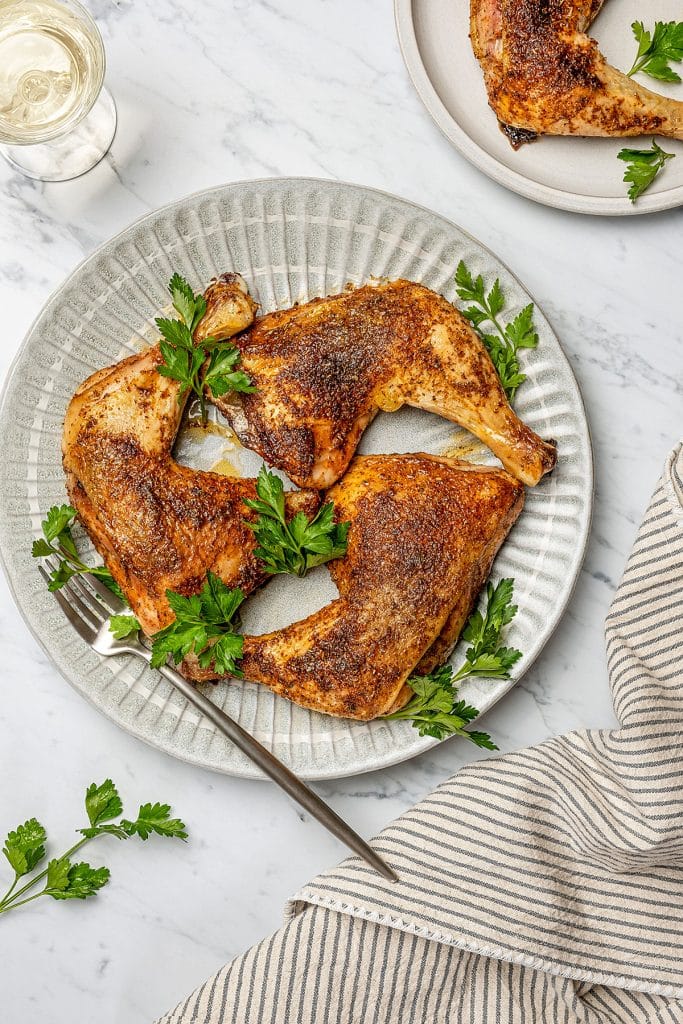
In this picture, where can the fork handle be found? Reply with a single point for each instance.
(278, 772)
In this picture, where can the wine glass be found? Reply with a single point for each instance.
(56, 119)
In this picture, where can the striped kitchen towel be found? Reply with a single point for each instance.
(542, 887)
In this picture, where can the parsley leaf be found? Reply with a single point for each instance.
(121, 626)
(57, 875)
(435, 709)
(508, 339)
(657, 48)
(102, 803)
(67, 881)
(63, 878)
(481, 739)
(643, 167)
(155, 818)
(299, 545)
(58, 542)
(25, 847)
(221, 377)
(223, 655)
(202, 623)
(184, 358)
(190, 307)
(57, 523)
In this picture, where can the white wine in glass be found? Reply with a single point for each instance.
(56, 120)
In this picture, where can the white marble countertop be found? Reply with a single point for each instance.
(255, 88)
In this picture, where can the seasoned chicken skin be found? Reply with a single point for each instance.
(424, 532)
(325, 368)
(545, 76)
(157, 524)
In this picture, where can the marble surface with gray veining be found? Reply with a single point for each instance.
(213, 92)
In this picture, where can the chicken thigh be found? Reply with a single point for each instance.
(159, 525)
(424, 532)
(323, 370)
(545, 76)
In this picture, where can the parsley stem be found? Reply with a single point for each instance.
(409, 713)
(463, 672)
(406, 714)
(4, 908)
(78, 565)
(494, 320)
(637, 65)
(300, 568)
(5, 898)
(198, 387)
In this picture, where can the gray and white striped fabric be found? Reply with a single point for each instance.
(543, 887)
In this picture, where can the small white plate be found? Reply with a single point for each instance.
(581, 175)
(292, 239)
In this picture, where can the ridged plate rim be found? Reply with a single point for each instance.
(414, 744)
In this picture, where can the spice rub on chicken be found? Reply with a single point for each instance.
(545, 75)
(322, 371)
(424, 532)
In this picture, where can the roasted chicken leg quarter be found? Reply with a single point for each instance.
(424, 532)
(323, 370)
(545, 76)
(157, 524)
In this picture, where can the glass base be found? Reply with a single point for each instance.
(72, 154)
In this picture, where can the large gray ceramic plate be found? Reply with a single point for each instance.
(583, 175)
(291, 239)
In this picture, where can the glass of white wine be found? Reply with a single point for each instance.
(56, 119)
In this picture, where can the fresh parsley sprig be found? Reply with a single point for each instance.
(184, 358)
(204, 625)
(58, 541)
(486, 656)
(503, 345)
(657, 48)
(64, 878)
(435, 710)
(643, 167)
(296, 546)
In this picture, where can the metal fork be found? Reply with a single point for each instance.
(88, 607)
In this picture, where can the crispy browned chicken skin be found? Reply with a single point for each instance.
(324, 369)
(159, 525)
(424, 532)
(545, 76)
